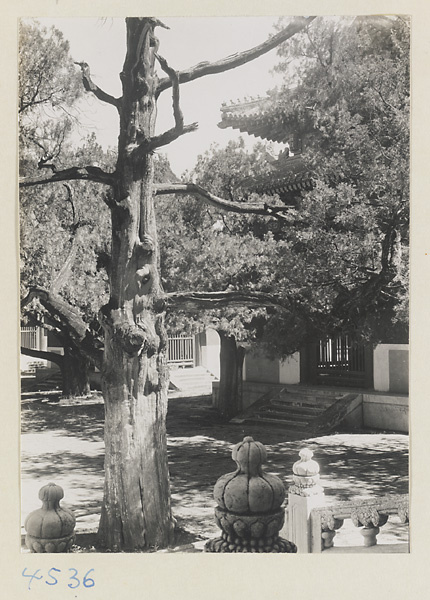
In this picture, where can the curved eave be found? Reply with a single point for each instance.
(284, 186)
(261, 128)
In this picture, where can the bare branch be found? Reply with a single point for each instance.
(235, 60)
(211, 300)
(66, 268)
(70, 199)
(90, 86)
(89, 173)
(58, 307)
(173, 76)
(387, 104)
(179, 129)
(236, 207)
(58, 359)
(169, 136)
(46, 322)
(70, 320)
(316, 50)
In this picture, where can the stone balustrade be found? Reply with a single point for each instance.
(312, 525)
(305, 494)
(250, 511)
(368, 514)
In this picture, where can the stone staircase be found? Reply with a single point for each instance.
(304, 411)
(190, 381)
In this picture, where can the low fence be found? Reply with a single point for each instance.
(29, 337)
(312, 525)
(181, 350)
(251, 514)
(368, 515)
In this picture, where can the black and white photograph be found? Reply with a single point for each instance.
(214, 267)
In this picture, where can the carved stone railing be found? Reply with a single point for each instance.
(368, 514)
(311, 524)
(305, 494)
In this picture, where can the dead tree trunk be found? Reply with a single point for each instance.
(75, 371)
(231, 375)
(136, 510)
(74, 367)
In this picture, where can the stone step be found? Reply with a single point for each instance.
(190, 393)
(293, 408)
(285, 414)
(194, 380)
(287, 423)
(305, 400)
(268, 414)
(191, 383)
(206, 388)
(316, 391)
(191, 379)
(297, 411)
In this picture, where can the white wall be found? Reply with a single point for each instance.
(210, 352)
(390, 366)
(289, 369)
(382, 355)
(386, 412)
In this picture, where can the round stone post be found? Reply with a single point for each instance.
(249, 502)
(304, 495)
(50, 528)
(370, 520)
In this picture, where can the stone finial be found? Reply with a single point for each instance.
(249, 505)
(50, 528)
(248, 489)
(306, 466)
(306, 475)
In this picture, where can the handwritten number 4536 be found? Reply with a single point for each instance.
(51, 579)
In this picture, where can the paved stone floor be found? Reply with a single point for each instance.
(64, 443)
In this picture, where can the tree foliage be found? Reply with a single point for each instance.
(341, 263)
(48, 89)
(350, 104)
(207, 249)
(47, 75)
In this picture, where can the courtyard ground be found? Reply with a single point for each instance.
(64, 443)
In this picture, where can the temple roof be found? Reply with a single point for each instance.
(264, 118)
(271, 118)
(260, 117)
(285, 177)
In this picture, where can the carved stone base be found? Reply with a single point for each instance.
(227, 543)
(250, 526)
(369, 534)
(327, 538)
(53, 545)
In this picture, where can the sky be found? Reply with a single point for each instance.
(190, 40)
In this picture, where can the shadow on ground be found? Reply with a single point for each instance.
(65, 444)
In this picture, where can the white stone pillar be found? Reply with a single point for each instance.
(43, 340)
(304, 495)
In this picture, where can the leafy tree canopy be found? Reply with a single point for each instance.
(343, 256)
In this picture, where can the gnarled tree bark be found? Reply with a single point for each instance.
(136, 511)
(229, 402)
(74, 367)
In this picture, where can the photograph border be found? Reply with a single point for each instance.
(156, 576)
